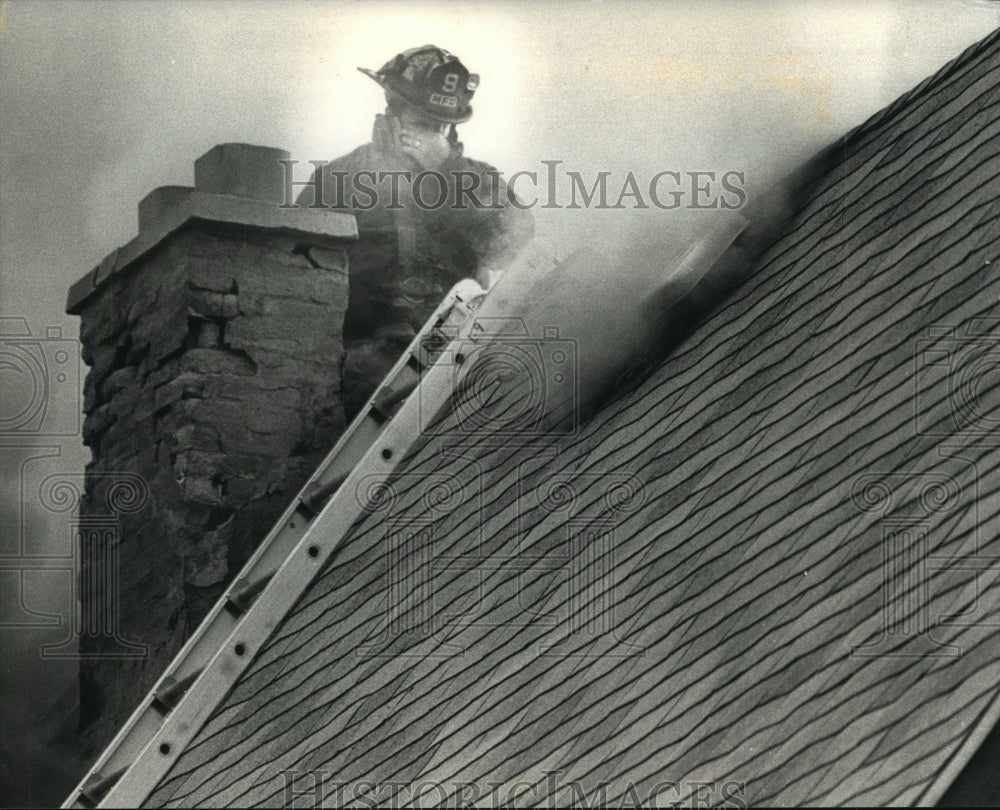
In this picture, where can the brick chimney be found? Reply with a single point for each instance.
(214, 345)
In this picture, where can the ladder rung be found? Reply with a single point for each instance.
(389, 403)
(303, 509)
(379, 414)
(171, 690)
(95, 788)
(376, 415)
(243, 592)
(320, 494)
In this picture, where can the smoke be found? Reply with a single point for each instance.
(631, 292)
(104, 102)
(616, 304)
(36, 701)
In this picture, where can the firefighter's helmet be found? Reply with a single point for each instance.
(430, 80)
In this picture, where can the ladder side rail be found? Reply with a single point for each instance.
(267, 558)
(310, 555)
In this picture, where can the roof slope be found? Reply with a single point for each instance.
(696, 586)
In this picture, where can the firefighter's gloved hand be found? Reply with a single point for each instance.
(430, 149)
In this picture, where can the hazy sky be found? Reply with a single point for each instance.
(102, 102)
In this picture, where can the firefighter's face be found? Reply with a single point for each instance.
(413, 121)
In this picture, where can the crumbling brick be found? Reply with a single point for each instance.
(215, 354)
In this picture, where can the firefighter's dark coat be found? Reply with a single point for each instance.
(411, 249)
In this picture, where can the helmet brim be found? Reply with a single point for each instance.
(442, 119)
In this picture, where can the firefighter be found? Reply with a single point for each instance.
(418, 232)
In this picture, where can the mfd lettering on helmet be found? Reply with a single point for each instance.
(443, 101)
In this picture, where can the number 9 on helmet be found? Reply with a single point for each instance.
(430, 80)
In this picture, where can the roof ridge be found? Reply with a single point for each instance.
(881, 117)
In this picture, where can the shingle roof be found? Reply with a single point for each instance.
(734, 561)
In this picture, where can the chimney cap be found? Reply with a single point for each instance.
(242, 170)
